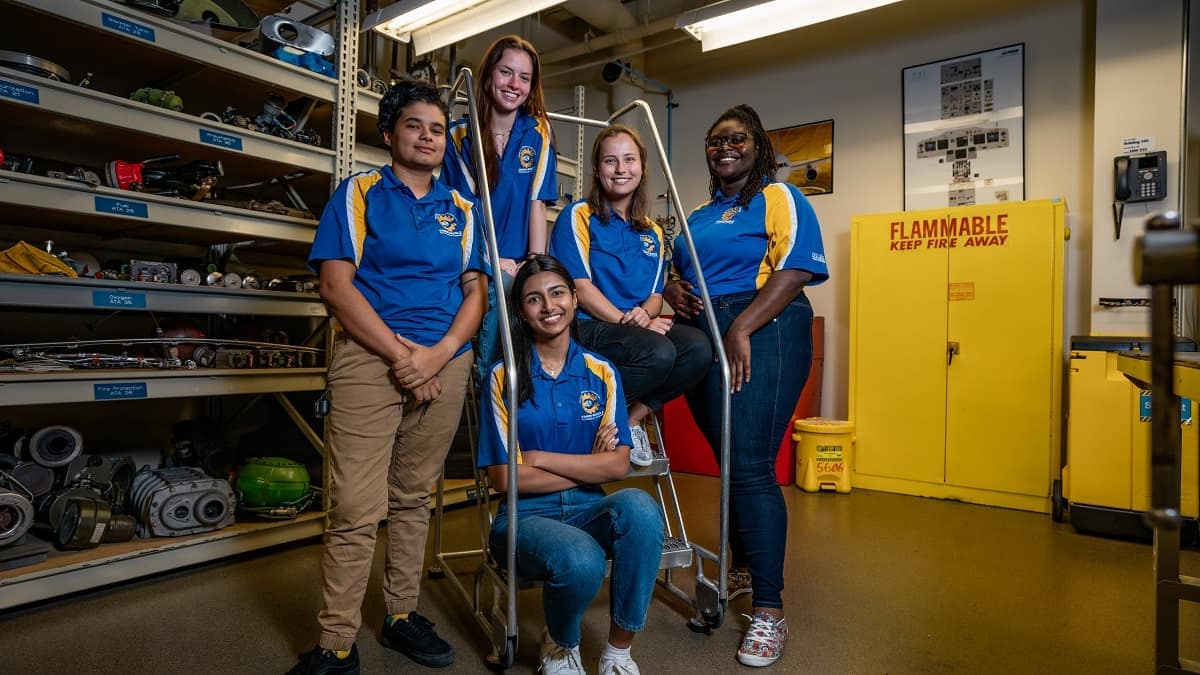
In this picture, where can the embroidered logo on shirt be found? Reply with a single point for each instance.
(649, 246)
(589, 401)
(448, 225)
(729, 214)
(526, 156)
(818, 257)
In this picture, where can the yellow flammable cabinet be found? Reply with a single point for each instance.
(956, 351)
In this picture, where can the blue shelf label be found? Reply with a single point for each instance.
(1185, 408)
(126, 26)
(122, 207)
(122, 390)
(220, 140)
(19, 92)
(118, 299)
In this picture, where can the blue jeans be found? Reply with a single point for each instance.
(780, 357)
(564, 540)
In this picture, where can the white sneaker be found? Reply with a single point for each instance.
(640, 454)
(763, 644)
(613, 666)
(557, 660)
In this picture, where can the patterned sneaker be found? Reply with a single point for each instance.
(640, 454)
(763, 643)
(557, 660)
(624, 666)
(415, 638)
(737, 582)
(325, 662)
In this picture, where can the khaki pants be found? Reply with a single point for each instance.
(385, 454)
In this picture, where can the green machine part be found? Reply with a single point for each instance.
(272, 481)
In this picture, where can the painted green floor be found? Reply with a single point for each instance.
(876, 583)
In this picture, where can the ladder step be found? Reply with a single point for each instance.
(661, 466)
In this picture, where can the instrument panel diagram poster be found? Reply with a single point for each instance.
(964, 130)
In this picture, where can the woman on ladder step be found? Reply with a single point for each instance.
(573, 435)
(615, 253)
(759, 245)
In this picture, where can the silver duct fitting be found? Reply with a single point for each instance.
(16, 516)
(179, 501)
(54, 446)
(296, 35)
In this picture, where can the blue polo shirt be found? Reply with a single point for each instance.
(624, 264)
(740, 247)
(564, 413)
(528, 172)
(410, 253)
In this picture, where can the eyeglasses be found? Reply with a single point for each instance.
(733, 141)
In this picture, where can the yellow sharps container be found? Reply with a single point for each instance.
(824, 454)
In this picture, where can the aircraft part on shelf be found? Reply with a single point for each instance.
(87, 522)
(179, 501)
(232, 14)
(34, 65)
(155, 272)
(35, 478)
(289, 33)
(16, 516)
(113, 476)
(52, 446)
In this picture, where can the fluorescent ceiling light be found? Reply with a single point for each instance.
(734, 21)
(431, 24)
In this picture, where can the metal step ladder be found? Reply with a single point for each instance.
(498, 618)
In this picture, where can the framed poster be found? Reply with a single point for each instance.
(964, 130)
(804, 156)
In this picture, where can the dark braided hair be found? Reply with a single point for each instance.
(764, 154)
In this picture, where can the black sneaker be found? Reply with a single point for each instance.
(415, 638)
(325, 662)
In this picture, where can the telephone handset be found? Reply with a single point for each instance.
(1137, 178)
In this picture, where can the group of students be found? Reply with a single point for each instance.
(400, 255)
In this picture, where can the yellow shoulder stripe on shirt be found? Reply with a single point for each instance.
(781, 224)
(468, 239)
(356, 209)
(499, 410)
(539, 174)
(602, 370)
(581, 215)
(458, 136)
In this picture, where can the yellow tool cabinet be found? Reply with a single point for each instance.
(1106, 480)
(957, 351)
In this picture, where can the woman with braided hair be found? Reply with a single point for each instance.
(759, 245)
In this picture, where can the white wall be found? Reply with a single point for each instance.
(1138, 93)
(849, 71)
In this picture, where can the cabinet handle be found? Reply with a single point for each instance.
(951, 352)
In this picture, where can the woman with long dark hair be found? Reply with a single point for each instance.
(759, 245)
(573, 435)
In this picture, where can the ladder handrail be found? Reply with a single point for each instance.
(465, 80)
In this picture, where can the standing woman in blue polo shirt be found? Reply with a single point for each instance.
(519, 156)
(759, 244)
(615, 253)
(399, 257)
(572, 435)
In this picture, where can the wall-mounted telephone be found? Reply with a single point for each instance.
(1137, 178)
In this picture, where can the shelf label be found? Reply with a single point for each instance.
(122, 207)
(19, 92)
(1144, 398)
(220, 140)
(122, 390)
(126, 26)
(118, 299)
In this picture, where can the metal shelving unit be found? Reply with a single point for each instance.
(66, 123)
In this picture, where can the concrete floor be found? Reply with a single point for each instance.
(876, 583)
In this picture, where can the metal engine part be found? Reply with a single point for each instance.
(52, 446)
(155, 272)
(16, 516)
(33, 65)
(290, 33)
(35, 478)
(180, 501)
(112, 476)
(189, 277)
(49, 509)
(85, 523)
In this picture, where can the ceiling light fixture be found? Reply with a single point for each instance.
(730, 22)
(431, 24)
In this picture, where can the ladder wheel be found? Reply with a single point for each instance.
(697, 626)
(437, 573)
(501, 662)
